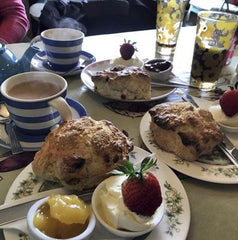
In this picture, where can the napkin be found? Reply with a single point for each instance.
(16, 161)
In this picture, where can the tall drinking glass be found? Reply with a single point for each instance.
(214, 35)
(170, 14)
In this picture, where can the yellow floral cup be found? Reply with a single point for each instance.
(214, 35)
(170, 14)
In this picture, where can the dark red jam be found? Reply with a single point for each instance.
(157, 65)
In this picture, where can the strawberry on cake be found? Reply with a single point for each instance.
(127, 50)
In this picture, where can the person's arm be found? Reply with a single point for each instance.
(13, 21)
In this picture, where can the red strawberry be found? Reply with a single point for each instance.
(141, 190)
(127, 50)
(229, 102)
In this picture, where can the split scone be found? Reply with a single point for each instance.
(80, 153)
(121, 82)
(185, 130)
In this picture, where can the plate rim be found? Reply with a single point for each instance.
(184, 168)
(85, 76)
(169, 176)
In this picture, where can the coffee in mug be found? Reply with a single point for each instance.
(36, 101)
(35, 90)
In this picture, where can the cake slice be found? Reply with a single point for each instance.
(124, 83)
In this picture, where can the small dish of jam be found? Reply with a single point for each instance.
(159, 69)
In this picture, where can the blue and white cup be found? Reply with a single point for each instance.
(36, 101)
(62, 47)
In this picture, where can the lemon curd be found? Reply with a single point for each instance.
(62, 216)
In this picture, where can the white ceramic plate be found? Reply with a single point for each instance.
(210, 172)
(174, 225)
(33, 143)
(157, 93)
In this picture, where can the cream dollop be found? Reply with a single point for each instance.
(130, 62)
(114, 211)
(220, 117)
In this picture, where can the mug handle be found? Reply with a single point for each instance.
(63, 108)
(33, 42)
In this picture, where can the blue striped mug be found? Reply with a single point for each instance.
(62, 48)
(36, 101)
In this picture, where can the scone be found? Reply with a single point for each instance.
(80, 153)
(185, 130)
(120, 82)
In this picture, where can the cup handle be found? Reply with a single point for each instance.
(63, 108)
(42, 58)
(35, 40)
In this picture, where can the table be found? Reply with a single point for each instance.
(213, 206)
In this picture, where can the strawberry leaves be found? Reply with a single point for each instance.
(133, 172)
(127, 169)
(147, 163)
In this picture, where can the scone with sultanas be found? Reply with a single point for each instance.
(121, 82)
(185, 130)
(80, 153)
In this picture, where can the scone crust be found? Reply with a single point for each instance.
(80, 153)
(187, 131)
(120, 82)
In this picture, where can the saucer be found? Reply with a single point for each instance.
(38, 64)
(34, 143)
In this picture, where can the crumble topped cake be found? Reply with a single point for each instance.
(121, 82)
(80, 153)
(185, 130)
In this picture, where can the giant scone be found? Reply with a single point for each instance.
(80, 153)
(120, 82)
(185, 130)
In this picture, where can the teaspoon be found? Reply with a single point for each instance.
(5, 119)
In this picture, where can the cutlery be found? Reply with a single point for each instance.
(20, 225)
(17, 210)
(228, 148)
(84, 64)
(226, 145)
(5, 118)
(170, 84)
(6, 154)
